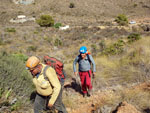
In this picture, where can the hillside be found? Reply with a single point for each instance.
(84, 12)
(121, 53)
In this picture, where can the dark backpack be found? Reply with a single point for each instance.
(57, 65)
(80, 58)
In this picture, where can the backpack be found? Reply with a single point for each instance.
(87, 57)
(57, 65)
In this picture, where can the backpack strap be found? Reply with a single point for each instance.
(81, 58)
(44, 72)
(59, 77)
(89, 58)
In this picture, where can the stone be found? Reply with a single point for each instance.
(124, 107)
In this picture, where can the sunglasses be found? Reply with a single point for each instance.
(31, 69)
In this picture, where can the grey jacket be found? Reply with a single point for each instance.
(84, 64)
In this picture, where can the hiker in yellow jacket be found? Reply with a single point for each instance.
(48, 87)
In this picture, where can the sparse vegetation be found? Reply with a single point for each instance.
(45, 21)
(14, 77)
(20, 57)
(94, 48)
(57, 25)
(135, 5)
(48, 39)
(71, 5)
(58, 42)
(1, 92)
(122, 20)
(115, 48)
(1, 41)
(10, 30)
(32, 48)
(102, 45)
(16, 106)
(133, 37)
(121, 59)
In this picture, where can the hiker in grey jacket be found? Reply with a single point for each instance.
(85, 60)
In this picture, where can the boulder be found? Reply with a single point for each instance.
(124, 107)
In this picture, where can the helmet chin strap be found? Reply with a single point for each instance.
(37, 70)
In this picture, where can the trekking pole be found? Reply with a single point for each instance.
(78, 83)
(78, 80)
(92, 81)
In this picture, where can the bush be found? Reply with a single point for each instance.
(58, 42)
(116, 48)
(10, 30)
(48, 39)
(20, 57)
(45, 21)
(57, 25)
(133, 37)
(32, 48)
(102, 45)
(71, 5)
(121, 20)
(14, 77)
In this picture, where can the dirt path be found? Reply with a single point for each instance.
(88, 104)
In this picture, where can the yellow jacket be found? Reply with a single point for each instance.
(45, 87)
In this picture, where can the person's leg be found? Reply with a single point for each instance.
(83, 82)
(59, 104)
(88, 80)
(39, 103)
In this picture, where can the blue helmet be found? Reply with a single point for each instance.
(83, 50)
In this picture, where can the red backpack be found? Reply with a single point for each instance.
(57, 65)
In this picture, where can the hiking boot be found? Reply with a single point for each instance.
(84, 94)
(89, 93)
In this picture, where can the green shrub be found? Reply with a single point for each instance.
(14, 78)
(1, 92)
(133, 37)
(45, 21)
(49, 40)
(122, 19)
(35, 32)
(57, 25)
(135, 5)
(20, 56)
(10, 30)
(71, 5)
(58, 42)
(102, 45)
(8, 93)
(116, 48)
(16, 106)
(32, 48)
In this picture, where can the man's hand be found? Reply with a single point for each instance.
(50, 106)
(76, 73)
(94, 73)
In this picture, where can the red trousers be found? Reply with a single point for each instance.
(85, 78)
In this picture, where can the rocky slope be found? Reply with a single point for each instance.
(91, 23)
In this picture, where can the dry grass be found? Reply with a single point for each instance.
(127, 67)
(136, 97)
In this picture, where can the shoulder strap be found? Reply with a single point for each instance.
(44, 72)
(79, 58)
(89, 58)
